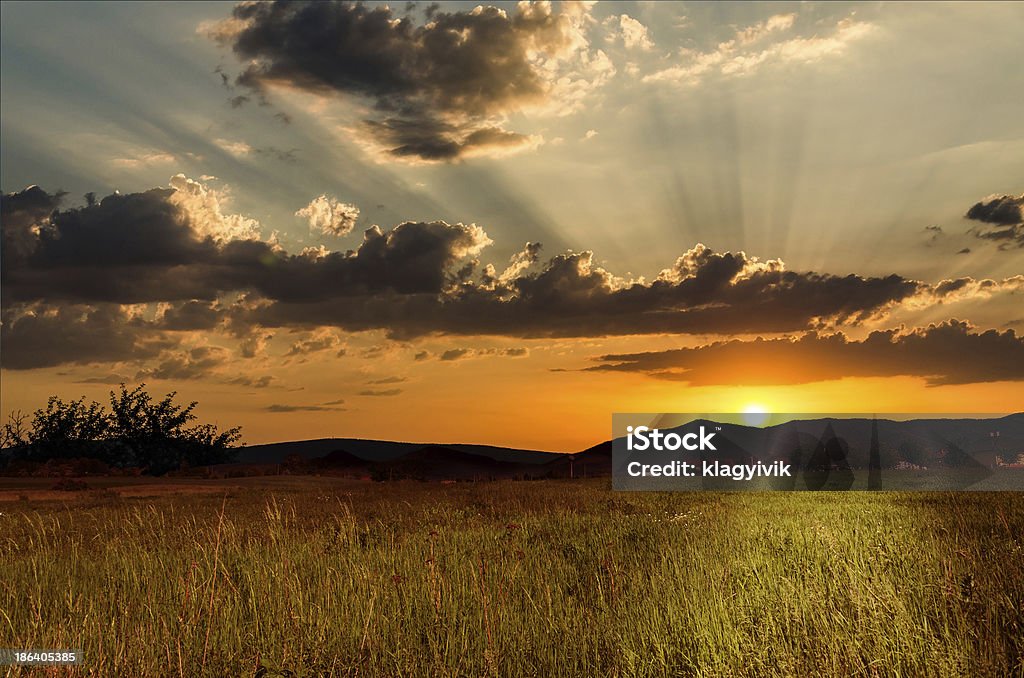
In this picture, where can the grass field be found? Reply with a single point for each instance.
(548, 578)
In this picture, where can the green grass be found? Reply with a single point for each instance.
(519, 579)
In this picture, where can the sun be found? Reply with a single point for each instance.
(755, 414)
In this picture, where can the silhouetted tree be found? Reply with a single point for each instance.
(138, 431)
(156, 432)
(66, 429)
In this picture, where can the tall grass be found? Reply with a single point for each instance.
(520, 579)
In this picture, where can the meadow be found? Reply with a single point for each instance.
(314, 576)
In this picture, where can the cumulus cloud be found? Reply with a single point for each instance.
(631, 32)
(23, 215)
(330, 216)
(75, 271)
(203, 206)
(1003, 219)
(948, 353)
(439, 90)
(143, 247)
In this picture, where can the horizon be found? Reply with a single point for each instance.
(802, 417)
(501, 225)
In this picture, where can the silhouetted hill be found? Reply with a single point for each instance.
(378, 450)
(442, 462)
(836, 442)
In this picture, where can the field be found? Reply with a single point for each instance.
(308, 576)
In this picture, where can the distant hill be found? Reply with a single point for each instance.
(931, 442)
(379, 450)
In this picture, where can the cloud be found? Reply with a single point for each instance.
(41, 336)
(278, 408)
(191, 315)
(387, 392)
(195, 363)
(22, 216)
(387, 380)
(158, 246)
(947, 353)
(747, 51)
(255, 344)
(253, 382)
(85, 271)
(106, 379)
(1004, 219)
(321, 340)
(454, 354)
(144, 159)
(330, 216)
(235, 148)
(631, 32)
(439, 91)
(203, 207)
(934, 233)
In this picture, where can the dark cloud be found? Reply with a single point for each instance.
(21, 215)
(106, 379)
(125, 248)
(253, 382)
(463, 353)
(289, 156)
(192, 315)
(434, 86)
(1004, 216)
(998, 209)
(144, 247)
(947, 353)
(416, 279)
(705, 292)
(386, 380)
(40, 336)
(381, 392)
(280, 408)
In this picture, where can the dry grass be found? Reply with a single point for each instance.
(518, 579)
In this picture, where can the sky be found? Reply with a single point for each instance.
(502, 223)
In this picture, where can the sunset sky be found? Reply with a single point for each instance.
(503, 224)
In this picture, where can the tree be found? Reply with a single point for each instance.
(156, 432)
(138, 431)
(66, 429)
(14, 433)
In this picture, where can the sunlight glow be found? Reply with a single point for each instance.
(755, 414)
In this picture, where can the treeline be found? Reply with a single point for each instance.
(138, 431)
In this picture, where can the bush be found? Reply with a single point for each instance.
(70, 485)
